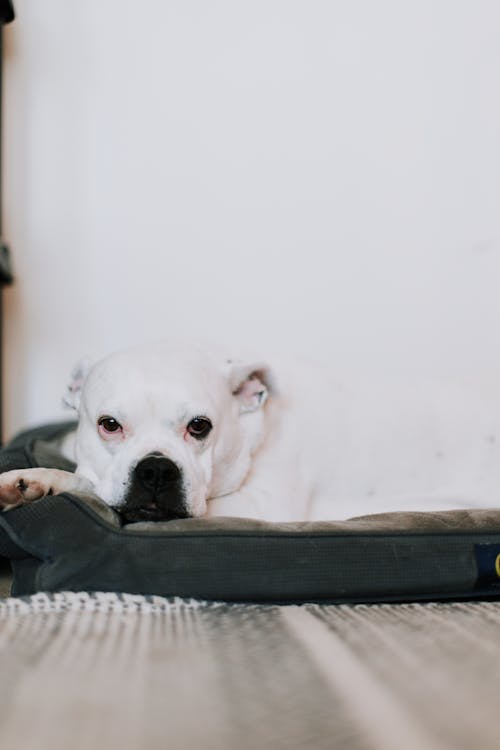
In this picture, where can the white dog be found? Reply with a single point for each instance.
(166, 432)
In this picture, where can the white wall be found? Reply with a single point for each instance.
(322, 175)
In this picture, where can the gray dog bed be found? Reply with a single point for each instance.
(74, 543)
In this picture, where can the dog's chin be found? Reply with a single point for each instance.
(154, 515)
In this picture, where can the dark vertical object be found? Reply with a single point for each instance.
(6, 16)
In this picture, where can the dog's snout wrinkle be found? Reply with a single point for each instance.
(156, 472)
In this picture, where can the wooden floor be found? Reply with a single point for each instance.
(106, 671)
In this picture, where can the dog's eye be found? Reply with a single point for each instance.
(109, 424)
(199, 427)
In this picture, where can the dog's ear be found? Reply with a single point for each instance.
(251, 384)
(74, 389)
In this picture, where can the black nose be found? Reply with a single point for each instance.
(156, 473)
(155, 491)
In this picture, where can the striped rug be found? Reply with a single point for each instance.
(88, 671)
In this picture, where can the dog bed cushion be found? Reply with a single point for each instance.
(75, 542)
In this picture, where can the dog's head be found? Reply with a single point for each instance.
(161, 431)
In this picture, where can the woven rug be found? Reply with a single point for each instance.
(113, 671)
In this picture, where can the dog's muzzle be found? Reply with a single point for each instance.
(155, 491)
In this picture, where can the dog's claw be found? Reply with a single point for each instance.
(16, 490)
(21, 485)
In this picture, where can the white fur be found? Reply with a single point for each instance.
(290, 444)
(334, 450)
(154, 391)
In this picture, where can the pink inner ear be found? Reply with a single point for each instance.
(251, 391)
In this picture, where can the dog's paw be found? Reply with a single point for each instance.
(18, 487)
